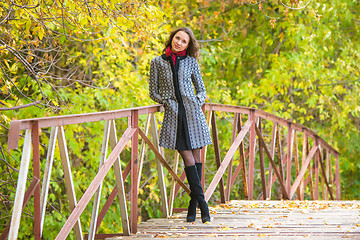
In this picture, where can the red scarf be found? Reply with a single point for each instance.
(173, 55)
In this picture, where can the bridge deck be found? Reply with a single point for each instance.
(262, 219)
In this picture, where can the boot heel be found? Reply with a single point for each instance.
(191, 215)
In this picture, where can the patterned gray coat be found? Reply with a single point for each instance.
(161, 88)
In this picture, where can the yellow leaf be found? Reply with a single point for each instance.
(6, 63)
(225, 228)
(41, 33)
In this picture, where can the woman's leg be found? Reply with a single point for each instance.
(195, 186)
(196, 154)
(191, 214)
(188, 157)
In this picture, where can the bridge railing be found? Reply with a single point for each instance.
(275, 153)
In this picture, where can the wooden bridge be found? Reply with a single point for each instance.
(289, 155)
(243, 219)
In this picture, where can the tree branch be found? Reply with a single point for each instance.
(20, 107)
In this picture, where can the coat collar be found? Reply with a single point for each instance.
(168, 58)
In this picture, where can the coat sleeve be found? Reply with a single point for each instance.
(198, 84)
(154, 83)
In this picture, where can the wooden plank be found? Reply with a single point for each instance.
(47, 173)
(272, 154)
(14, 133)
(262, 142)
(323, 171)
(290, 144)
(95, 210)
(279, 153)
(327, 170)
(173, 183)
(241, 167)
(69, 183)
(75, 214)
(262, 164)
(303, 159)
(337, 177)
(115, 114)
(303, 169)
(227, 159)
(36, 174)
(261, 219)
(112, 197)
(143, 147)
(297, 163)
(242, 164)
(20, 187)
(310, 177)
(134, 172)
(316, 186)
(230, 166)
(120, 188)
(252, 143)
(203, 151)
(160, 170)
(217, 155)
(227, 108)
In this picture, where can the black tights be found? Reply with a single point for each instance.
(190, 157)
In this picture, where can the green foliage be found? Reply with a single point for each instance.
(81, 57)
(304, 68)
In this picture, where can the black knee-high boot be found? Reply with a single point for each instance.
(197, 191)
(191, 215)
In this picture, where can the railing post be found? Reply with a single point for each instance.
(97, 197)
(173, 184)
(337, 176)
(230, 167)
(119, 185)
(262, 164)
(251, 154)
(134, 171)
(272, 153)
(36, 172)
(203, 151)
(20, 187)
(327, 166)
(290, 141)
(47, 173)
(303, 158)
(217, 154)
(143, 147)
(69, 183)
(317, 159)
(297, 163)
(160, 169)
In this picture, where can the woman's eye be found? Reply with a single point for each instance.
(184, 41)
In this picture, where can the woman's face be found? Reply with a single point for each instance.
(180, 41)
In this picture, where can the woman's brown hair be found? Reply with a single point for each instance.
(193, 47)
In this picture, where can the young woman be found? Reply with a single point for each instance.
(173, 78)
